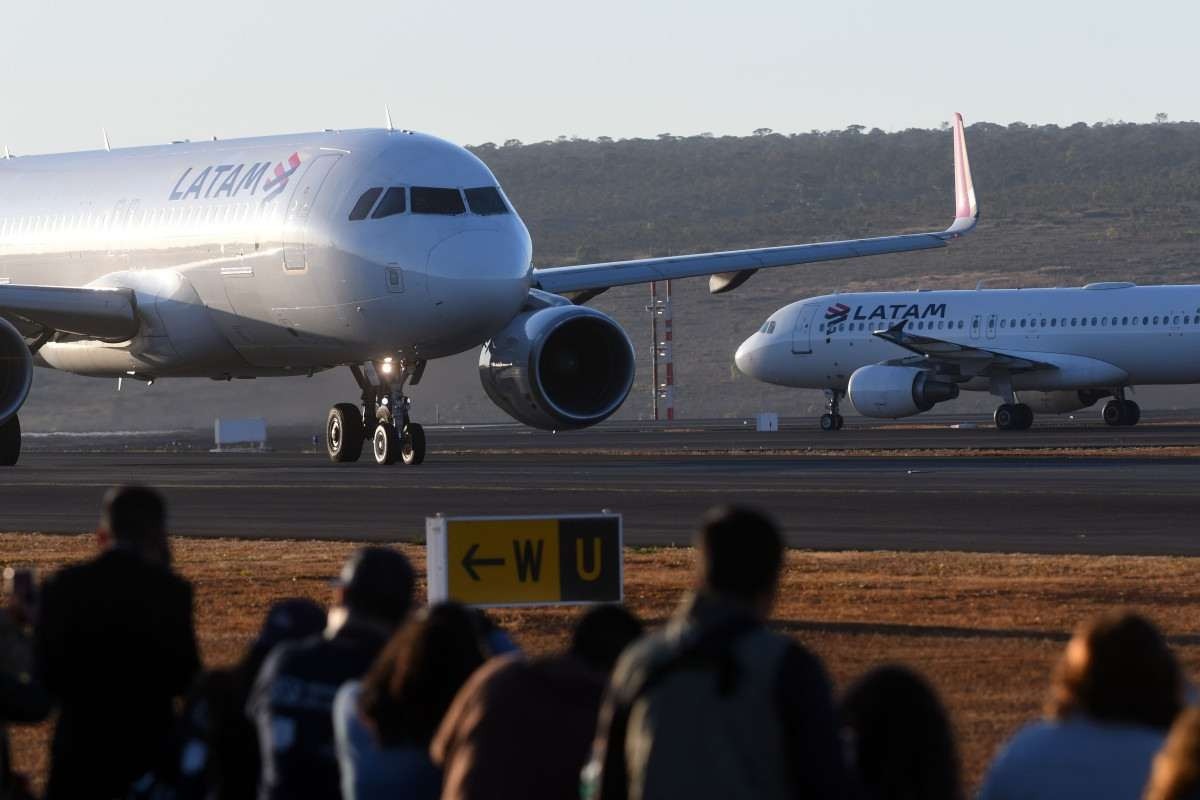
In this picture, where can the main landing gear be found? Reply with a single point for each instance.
(383, 418)
(1120, 411)
(1013, 417)
(10, 441)
(831, 420)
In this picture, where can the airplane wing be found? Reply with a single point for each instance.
(729, 270)
(968, 358)
(107, 314)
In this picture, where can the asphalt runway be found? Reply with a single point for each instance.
(1072, 488)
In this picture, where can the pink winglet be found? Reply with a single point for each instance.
(964, 189)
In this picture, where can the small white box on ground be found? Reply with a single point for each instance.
(240, 434)
(767, 422)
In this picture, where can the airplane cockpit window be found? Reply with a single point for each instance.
(391, 204)
(768, 327)
(428, 200)
(485, 201)
(365, 203)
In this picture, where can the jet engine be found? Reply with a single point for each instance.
(1061, 402)
(16, 370)
(558, 368)
(890, 392)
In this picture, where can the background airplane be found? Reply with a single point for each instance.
(286, 255)
(896, 354)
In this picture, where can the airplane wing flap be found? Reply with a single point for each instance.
(108, 314)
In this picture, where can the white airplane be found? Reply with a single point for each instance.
(896, 354)
(286, 255)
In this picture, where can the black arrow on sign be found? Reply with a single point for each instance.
(470, 562)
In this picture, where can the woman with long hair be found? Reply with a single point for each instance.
(384, 724)
(899, 740)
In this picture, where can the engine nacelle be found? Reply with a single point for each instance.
(558, 368)
(16, 370)
(891, 392)
(1061, 402)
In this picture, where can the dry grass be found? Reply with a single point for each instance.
(985, 629)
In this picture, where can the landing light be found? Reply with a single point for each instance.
(386, 366)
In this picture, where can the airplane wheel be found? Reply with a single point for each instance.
(412, 444)
(386, 444)
(10, 442)
(1006, 417)
(1133, 412)
(828, 422)
(1024, 417)
(1114, 413)
(838, 422)
(344, 433)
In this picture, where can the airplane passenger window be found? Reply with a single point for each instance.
(1053, 322)
(1003, 323)
(821, 327)
(1175, 320)
(1145, 320)
(1043, 322)
(1093, 320)
(1156, 320)
(960, 324)
(365, 203)
(1022, 323)
(485, 201)
(428, 200)
(391, 204)
(1124, 320)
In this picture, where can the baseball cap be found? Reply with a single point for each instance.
(378, 582)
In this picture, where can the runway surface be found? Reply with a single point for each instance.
(1070, 488)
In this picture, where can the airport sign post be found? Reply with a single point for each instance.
(525, 561)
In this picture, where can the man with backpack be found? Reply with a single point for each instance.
(716, 705)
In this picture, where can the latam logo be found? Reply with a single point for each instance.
(836, 313)
(839, 312)
(236, 180)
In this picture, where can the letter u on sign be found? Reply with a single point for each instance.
(589, 568)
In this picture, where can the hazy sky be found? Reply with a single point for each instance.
(152, 71)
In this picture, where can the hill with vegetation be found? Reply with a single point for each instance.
(1060, 206)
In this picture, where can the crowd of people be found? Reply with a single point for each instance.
(376, 697)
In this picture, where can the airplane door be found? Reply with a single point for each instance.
(975, 327)
(991, 328)
(802, 333)
(295, 220)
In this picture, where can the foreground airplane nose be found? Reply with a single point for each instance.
(479, 279)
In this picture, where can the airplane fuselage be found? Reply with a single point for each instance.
(246, 262)
(1103, 336)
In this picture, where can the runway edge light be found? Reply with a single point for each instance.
(574, 559)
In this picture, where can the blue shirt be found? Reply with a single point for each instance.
(1073, 758)
(369, 770)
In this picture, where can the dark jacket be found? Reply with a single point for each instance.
(519, 729)
(716, 705)
(292, 706)
(113, 644)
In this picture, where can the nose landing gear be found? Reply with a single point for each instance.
(383, 419)
(831, 420)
